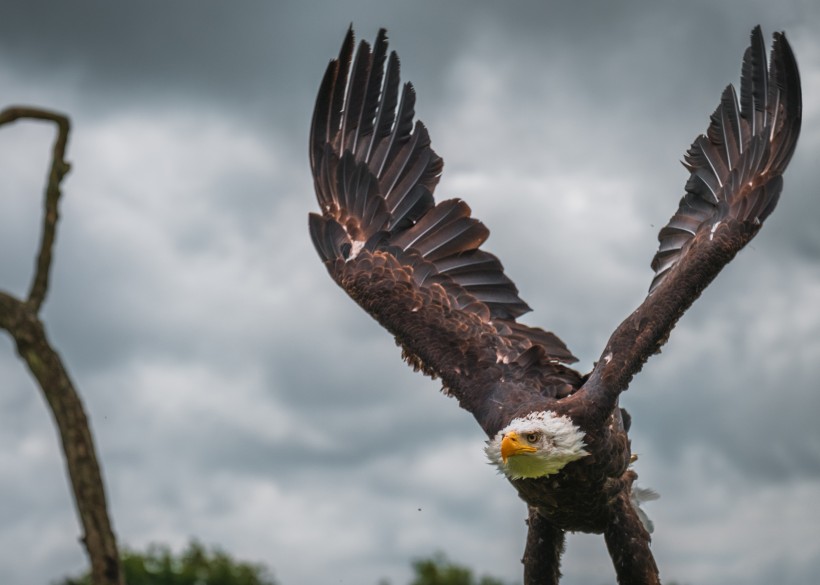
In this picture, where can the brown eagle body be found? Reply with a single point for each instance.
(417, 267)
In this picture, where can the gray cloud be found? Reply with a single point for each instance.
(237, 395)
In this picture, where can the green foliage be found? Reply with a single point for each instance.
(196, 565)
(438, 570)
(193, 566)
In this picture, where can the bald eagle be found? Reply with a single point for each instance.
(417, 267)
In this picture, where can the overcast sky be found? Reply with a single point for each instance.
(238, 396)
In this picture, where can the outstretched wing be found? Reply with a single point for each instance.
(735, 182)
(414, 265)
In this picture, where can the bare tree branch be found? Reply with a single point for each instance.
(59, 168)
(21, 320)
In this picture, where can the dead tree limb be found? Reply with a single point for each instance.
(21, 319)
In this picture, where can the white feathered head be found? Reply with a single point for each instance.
(536, 445)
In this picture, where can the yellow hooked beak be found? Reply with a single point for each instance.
(511, 445)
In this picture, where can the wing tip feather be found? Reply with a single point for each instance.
(735, 168)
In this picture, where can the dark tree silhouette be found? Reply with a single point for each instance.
(439, 570)
(196, 565)
(22, 321)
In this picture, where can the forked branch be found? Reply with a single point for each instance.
(21, 319)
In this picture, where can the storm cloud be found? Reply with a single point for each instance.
(238, 396)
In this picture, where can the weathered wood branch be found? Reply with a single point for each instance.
(59, 168)
(21, 319)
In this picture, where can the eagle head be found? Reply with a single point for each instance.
(536, 445)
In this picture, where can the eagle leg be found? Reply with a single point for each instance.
(628, 543)
(542, 555)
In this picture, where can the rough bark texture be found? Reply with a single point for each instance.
(21, 319)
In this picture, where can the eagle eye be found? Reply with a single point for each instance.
(532, 437)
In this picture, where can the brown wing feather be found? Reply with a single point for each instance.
(736, 167)
(734, 185)
(413, 265)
